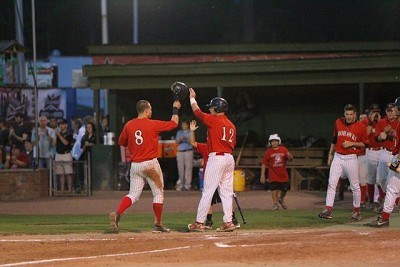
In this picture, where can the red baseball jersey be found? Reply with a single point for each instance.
(141, 137)
(353, 132)
(221, 132)
(275, 160)
(372, 143)
(380, 127)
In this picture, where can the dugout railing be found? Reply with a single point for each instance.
(79, 171)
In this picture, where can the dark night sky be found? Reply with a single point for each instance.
(72, 25)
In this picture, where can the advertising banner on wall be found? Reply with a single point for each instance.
(51, 103)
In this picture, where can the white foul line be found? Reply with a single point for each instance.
(95, 257)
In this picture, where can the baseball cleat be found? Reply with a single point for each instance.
(159, 228)
(325, 214)
(379, 223)
(114, 217)
(363, 205)
(355, 216)
(275, 207)
(196, 227)
(208, 225)
(226, 227)
(236, 223)
(283, 205)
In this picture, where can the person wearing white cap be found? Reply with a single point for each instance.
(275, 158)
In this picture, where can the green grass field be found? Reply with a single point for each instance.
(256, 219)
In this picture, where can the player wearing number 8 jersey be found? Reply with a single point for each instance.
(349, 137)
(141, 136)
(220, 166)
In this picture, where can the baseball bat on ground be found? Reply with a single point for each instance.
(236, 164)
(240, 210)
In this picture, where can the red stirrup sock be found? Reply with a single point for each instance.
(385, 216)
(363, 193)
(126, 202)
(157, 208)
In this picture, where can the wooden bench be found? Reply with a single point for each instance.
(307, 164)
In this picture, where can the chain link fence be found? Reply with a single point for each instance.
(70, 178)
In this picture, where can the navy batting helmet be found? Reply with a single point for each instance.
(219, 104)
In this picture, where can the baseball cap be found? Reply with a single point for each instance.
(374, 107)
(390, 106)
(274, 137)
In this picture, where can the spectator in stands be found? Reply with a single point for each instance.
(275, 158)
(184, 157)
(53, 123)
(78, 132)
(63, 160)
(19, 132)
(18, 159)
(2, 157)
(45, 141)
(88, 140)
(29, 153)
(4, 134)
(105, 128)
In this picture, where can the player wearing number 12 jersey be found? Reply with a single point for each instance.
(141, 136)
(220, 166)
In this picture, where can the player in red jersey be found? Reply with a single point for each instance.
(203, 150)
(385, 133)
(275, 158)
(393, 184)
(220, 166)
(349, 137)
(372, 152)
(141, 136)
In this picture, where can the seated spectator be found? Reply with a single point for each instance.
(29, 153)
(4, 134)
(17, 160)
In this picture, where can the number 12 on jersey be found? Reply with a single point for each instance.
(230, 134)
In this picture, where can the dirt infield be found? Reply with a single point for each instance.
(366, 247)
(348, 245)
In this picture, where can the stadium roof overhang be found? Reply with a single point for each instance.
(243, 65)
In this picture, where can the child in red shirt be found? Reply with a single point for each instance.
(275, 158)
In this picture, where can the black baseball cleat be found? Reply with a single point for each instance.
(379, 223)
(325, 214)
(283, 205)
(114, 217)
(355, 216)
(208, 225)
(159, 228)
